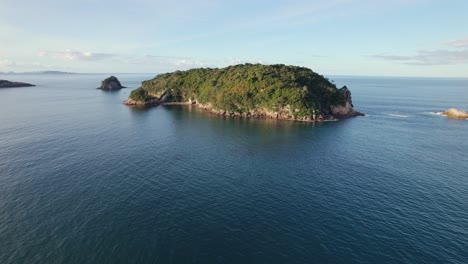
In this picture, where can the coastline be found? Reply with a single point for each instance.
(258, 114)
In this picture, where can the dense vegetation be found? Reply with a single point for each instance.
(243, 88)
(140, 95)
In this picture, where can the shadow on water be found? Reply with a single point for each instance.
(259, 133)
(142, 111)
(110, 91)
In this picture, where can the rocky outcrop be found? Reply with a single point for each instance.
(455, 114)
(8, 84)
(151, 102)
(347, 109)
(111, 84)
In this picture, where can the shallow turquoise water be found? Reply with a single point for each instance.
(84, 178)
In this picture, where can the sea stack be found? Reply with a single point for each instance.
(8, 84)
(111, 84)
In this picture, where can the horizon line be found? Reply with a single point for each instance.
(56, 72)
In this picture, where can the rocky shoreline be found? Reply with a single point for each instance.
(261, 113)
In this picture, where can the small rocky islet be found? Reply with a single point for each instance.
(453, 113)
(111, 84)
(9, 84)
(250, 90)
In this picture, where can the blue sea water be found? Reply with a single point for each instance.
(86, 179)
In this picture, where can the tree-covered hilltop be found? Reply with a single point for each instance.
(248, 89)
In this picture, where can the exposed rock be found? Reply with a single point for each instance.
(8, 84)
(111, 84)
(347, 109)
(142, 103)
(455, 114)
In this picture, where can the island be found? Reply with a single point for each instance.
(455, 114)
(250, 90)
(111, 84)
(8, 84)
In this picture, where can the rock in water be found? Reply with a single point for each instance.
(455, 114)
(8, 84)
(111, 84)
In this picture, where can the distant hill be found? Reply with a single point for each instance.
(55, 72)
(36, 72)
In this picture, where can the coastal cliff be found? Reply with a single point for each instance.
(250, 90)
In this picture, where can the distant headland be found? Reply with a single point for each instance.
(250, 90)
(8, 84)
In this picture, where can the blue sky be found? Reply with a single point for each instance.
(335, 37)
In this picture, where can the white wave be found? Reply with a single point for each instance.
(397, 115)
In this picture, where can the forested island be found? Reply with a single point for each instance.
(250, 90)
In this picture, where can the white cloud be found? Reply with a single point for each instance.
(458, 43)
(429, 57)
(7, 63)
(235, 61)
(170, 62)
(71, 55)
(457, 55)
(160, 61)
(19, 65)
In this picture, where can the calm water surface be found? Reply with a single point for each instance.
(85, 179)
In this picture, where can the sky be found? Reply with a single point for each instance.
(427, 38)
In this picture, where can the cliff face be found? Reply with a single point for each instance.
(347, 109)
(8, 84)
(274, 91)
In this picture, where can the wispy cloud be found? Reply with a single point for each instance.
(74, 55)
(149, 62)
(235, 60)
(392, 57)
(458, 43)
(71, 55)
(7, 63)
(170, 62)
(26, 65)
(458, 54)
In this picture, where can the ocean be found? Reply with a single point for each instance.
(86, 179)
